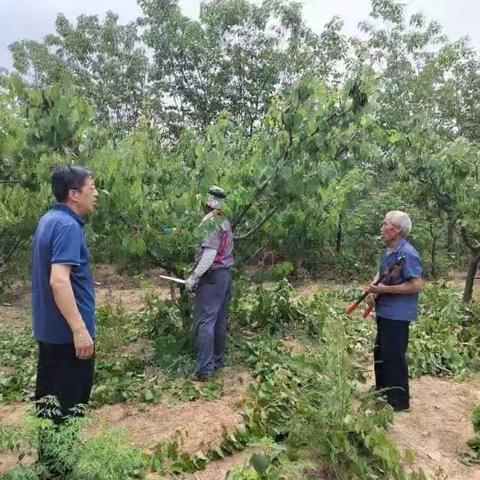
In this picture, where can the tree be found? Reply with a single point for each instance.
(445, 173)
(421, 72)
(234, 58)
(105, 61)
(40, 129)
(161, 191)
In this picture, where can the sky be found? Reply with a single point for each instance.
(33, 19)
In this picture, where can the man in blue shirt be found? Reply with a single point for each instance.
(63, 298)
(396, 305)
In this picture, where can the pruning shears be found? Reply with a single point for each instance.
(395, 268)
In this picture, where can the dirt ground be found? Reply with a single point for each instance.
(13, 415)
(197, 426)
(220, 469)
(217, 470)
(128, 292)
(438, 426)
(436, 429)
(111, 287)
(15, 317)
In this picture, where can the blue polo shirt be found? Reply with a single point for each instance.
(59, 238)
(400, 307)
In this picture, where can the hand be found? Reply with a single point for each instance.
(377, 289)
(191, 283)
(84, 346)
(370, 299)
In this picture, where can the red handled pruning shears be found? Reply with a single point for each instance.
(393, 270)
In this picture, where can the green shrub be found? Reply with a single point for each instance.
(445, 339)
(275, 311)
(77, 454)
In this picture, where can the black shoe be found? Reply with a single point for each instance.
(201, 378)
(402, 408)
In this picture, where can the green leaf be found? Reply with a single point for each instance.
(260, 463)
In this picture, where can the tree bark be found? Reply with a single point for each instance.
(472, 270)
(433, 252)
(451, 236)
(338, 246)
(258, 226)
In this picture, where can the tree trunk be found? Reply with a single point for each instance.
(173, 294)
(451, 236)
(338, 245)
(472, 270)
(433, 252)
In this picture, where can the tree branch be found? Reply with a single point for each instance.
(152, 253)
(467, 241)
(256, 252)
(258, 193)
(10, 252)
(257, 227)
(261, 189)
(336, 113)
(345, 148)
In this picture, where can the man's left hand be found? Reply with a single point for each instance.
(377, 289)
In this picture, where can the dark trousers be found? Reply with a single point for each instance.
(62, 375)
(211, 306)
(391, 364)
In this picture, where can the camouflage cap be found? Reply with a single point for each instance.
(216, 195)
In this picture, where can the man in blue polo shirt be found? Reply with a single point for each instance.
(396, 305)
(63, 298)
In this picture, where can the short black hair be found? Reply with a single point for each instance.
(66, 178)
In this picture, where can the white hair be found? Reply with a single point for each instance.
(400, 220)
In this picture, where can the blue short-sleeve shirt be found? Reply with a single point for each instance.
(400, 307)
(59, 239)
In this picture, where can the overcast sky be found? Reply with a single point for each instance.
(33, 19)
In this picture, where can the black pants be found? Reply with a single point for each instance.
(391, 364)
(61, 374)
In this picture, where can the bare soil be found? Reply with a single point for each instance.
(438, 426)
(15, 316)
(128, 292)
(14, 416)
(197, 426)
(219, 470)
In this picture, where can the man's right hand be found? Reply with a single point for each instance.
(191, 283)
(370, 299)
(84, 346)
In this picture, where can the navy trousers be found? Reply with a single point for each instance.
(211, 307)
(391, 364)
